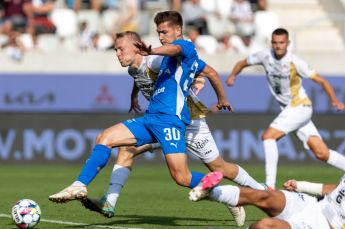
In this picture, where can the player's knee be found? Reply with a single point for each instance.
(103, 139)
(321, 154)
(262, 224)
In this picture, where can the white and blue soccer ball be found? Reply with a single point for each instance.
(26, 213)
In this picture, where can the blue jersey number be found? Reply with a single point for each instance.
(172, 134)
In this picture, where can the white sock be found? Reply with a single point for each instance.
(226, 194)
(244, 179)
(118, 178)
(271, 161)
(336, 159)
(77, 183)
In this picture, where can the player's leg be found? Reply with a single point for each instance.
(119, 176)
(289, 119)
(270, 223)
(312, 140)
(125, 133)
(269, 140)
(170, 133)
(200, 142)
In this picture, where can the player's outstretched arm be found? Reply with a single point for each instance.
(216, 83)
(239, 66)
(330, 92)
(165, 50)
(309, 187)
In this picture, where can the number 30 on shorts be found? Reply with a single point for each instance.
(172, 134)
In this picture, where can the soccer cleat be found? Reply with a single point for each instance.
(239, 214)
(101, 206)
(207, 183)
(69, 193)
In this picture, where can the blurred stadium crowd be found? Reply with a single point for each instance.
(240, 26)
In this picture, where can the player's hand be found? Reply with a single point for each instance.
(134, 106)
(224, 105)
(198, 85)
(290, 185)
(339, 106)
(230, 81)
(143, 48)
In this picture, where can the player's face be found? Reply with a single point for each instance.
(125, 51)
(279, 45)
(168, 33)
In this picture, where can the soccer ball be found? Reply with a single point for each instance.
(26, 213)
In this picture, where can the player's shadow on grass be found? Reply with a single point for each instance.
(137, 220)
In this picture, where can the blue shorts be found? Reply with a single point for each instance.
(168, 130)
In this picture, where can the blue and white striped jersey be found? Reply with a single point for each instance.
(174, 80)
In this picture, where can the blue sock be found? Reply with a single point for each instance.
(196, 178)
(97, 160)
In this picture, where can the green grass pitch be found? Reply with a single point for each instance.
(149, 200)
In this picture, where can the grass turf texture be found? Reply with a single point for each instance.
(149, 200)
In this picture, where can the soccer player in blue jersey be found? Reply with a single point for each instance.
(165, 119)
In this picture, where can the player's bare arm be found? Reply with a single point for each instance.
(309, 187)
(239, 66)
(198, 84)
(165, 50)
(216, 83)
(330, 92)
(134, 100)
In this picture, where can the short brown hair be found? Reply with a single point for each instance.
(173, 17)
(132, 35)
(280, 31)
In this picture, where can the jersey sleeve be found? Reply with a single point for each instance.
(303, 68)
(188, 48)
(256, 58)
(154, 63)
(201, 66)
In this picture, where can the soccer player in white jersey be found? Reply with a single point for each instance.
(297, 208)
(285, 72)
(199, 140)
(165, 119)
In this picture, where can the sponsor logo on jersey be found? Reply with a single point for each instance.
(340, 196)
(158, 91)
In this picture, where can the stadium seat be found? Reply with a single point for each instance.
(48, 42)
(66, 22)
(92, 18)
(265, 23)
(108, 19)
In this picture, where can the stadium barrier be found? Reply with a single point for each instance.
(106, 92)
(67, 138)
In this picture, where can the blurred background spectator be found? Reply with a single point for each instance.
(194, 15)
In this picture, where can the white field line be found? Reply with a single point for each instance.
(73, 223)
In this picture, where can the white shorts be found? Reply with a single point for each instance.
(199, 141)
(296, 119)
(301, 211)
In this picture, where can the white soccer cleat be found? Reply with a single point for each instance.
(239, 214)
(207, 183)
(69, 193)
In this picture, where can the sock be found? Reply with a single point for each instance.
(271, 161)
(244, 179)
(78, 183)
(196, 178)
(118, 178)
(97, 160)
(226, 194)
(336, 159)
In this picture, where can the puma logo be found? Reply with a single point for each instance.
(174, 144)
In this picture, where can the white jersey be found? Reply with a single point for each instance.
(333, 206)
(146, 75)
(284, 76)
